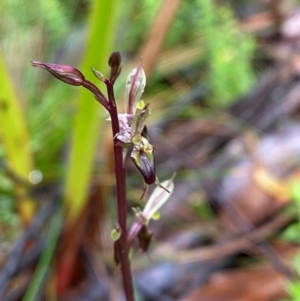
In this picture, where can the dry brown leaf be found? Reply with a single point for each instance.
(249, 284)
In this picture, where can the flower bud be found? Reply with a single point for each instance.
(116, 233)
(115, 63)
(117, 251)
(135, 84)
(142, 156)
(99, 75)
(144, 237)
(67, 74)
(139, 229)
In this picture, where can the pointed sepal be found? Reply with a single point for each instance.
(135, 84)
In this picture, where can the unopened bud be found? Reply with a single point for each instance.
(116, 233)
(115, 63)
(99, 75)
(65, 73)
(135, 84)
(117, 251)
(144, 237)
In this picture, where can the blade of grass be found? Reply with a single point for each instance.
(87, 120)
(46, 257)
(14, 136)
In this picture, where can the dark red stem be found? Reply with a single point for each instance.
(121, 197)
(97, 93)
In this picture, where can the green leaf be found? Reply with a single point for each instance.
(14, 136)
(86, 127)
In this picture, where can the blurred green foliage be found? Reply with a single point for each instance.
(229, 53)
(291, 234)
(10, 224)
(134, 22)
(56, 31)
(137, 17)
(293, 287)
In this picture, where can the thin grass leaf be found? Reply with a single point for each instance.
(46, 257)
(87, 120)
(14, 136)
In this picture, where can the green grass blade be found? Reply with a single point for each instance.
(87, 120)
(46, 257)
(14, 137)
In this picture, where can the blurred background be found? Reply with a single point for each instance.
(223, 83)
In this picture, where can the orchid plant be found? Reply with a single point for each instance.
(129, 132)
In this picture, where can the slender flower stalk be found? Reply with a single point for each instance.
(74, 77)
(123, 250)
(128, 130)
